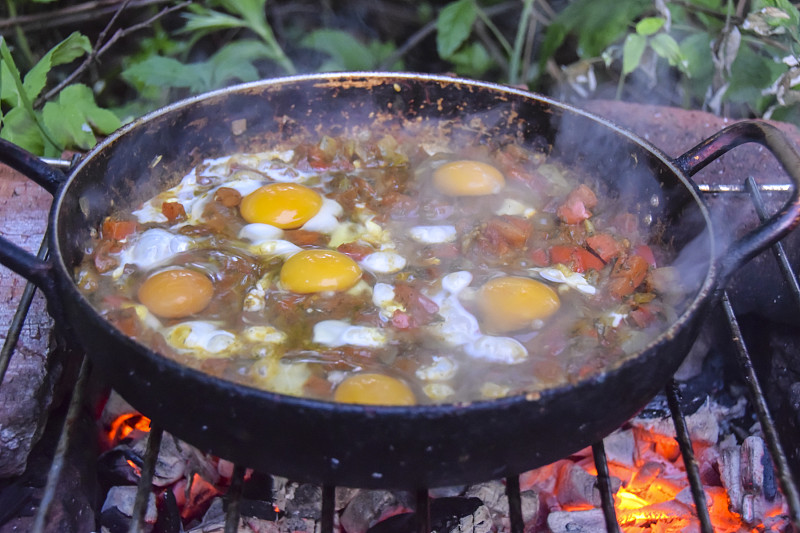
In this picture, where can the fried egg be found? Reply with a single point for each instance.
(176, 292)
(284, 205)
(374, 389)
(459, 327)
(200, 338)
(433, 234)
(562, 274)
(383, 262)
(468, 178)
(509, 303)
(318, 270)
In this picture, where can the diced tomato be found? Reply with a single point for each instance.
(627, 276)
(539, 257)
(174, 211)
(646, 253)
(627, 224)
(118, 229)
(317, 159)
(605, 246)
(573, 211)
(444, 250)
(585, 195)
(104, 262)
(398, 204)
(228, 197)
(578, 258)
(561, 254)
(421, 308)
(402, 320)
(642, 316)
(355, 250)
(317, 386)
(586, 260)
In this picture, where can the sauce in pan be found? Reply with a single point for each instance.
(385, 267)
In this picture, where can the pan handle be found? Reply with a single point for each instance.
(31, 267)
(779, 224)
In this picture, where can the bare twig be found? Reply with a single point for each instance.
(69, 15)
(102, 47)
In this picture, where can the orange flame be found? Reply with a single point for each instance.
(125, 424)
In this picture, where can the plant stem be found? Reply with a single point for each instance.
(496, 32)
(519, 42)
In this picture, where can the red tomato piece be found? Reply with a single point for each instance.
(355, 250)
(586, 260)
(627, 276)
(118, 229)
(174, 211)
(539, 257)
(646, 253)
(605, 246)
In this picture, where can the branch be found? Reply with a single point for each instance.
(101, 47)
(69, 15)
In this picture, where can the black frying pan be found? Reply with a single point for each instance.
(390, 447)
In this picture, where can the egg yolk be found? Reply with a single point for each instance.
(284, 205)
(374, 389)
(319, 270)
(176, 293)
(510, 303)
(468, 178)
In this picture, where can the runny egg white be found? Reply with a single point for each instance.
(201, 338)
(340, 333)
(383, 262)
(153, 247)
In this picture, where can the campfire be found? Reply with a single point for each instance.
(648, 479)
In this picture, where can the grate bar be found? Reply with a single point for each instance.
(604, 486)
(59, 458)
(234, 500)
(20, 314)
(328, 508)
(143, 489)
(689, 461)
(762, 412)
(717, 188)
(515, 517)
(423, 511)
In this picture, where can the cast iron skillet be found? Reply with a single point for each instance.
(390, 447)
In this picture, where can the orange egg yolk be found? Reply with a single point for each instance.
(374, 389)
(468, 178)
(510, 303)
(319, 270)
(176, 293)
(284, 205)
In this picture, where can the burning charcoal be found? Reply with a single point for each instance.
(369, 506)
(591, 521)
(119, 466)
(620, 448)
(306, 501)
(343, 497)
(730, 470)
(447, 515)
(645, 476)
(198, 494)
(122, 498)
(577, 488)
(703, 425)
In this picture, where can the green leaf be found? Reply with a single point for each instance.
(234, 61)
(471, 60)
(695, 49)
(64, 52)
(20, 129)
(346, 52)
(649, 25)
(751, 73)
(454, 25)
(167, 72)
(667, 47)
(74, 117)
(632, 51)
(210, 20)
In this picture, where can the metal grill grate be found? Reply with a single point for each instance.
(742, 355)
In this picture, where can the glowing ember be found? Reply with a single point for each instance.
(125, 424)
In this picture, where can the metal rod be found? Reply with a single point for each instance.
(777, 249)
(234, 499)
(18, 320)
(423, 511)
(689, 461)
(144, 489)
(759, 404)
(604, 485)
(717, 188)
(59, 458)
(328, 508)
(514, 505)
